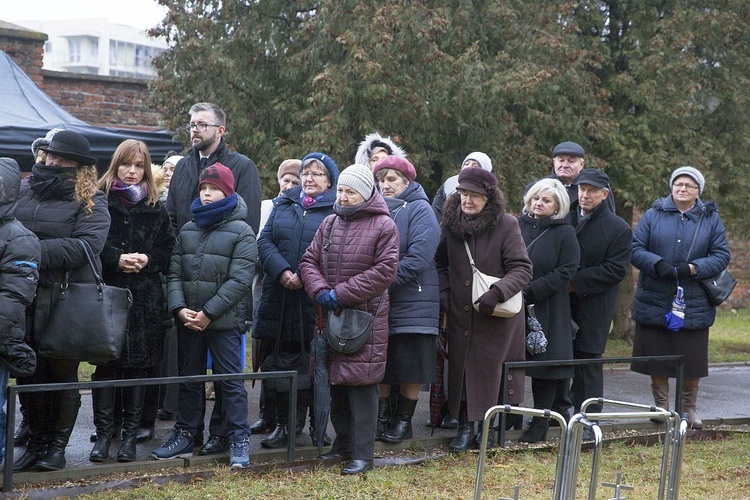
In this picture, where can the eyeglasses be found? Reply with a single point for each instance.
(681, 185)
(200, 127)
(316, 175)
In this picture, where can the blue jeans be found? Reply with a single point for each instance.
(4, 379)
(225, 346)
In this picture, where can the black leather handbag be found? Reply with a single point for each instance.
(718, 288)
(81, 321)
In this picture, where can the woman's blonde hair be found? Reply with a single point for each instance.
(557, 190)
(85, 187)
(131, 150)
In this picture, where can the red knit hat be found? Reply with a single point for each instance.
(220, 176)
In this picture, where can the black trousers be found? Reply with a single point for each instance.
(354, 417)
(588, 381)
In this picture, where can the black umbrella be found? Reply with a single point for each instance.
(322, 393)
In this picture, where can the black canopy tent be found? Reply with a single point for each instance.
(27, 113)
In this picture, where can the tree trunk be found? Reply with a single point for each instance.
(622, 323)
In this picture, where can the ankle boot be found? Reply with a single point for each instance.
(401, 428)
(465, 434)
(384, 416)
(661, 398)
(536, 432)
(689, 399)
(277, 438)
(477, 442)
(132, 406)
(103, 401)
(54, 459)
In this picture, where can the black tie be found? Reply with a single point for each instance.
(204, 162)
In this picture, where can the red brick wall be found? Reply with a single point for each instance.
(26, 48)
(102, 100)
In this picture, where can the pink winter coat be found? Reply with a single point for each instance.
(362, 264)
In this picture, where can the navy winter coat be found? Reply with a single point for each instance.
(212, 270)
(282, 243)
(664, 233)
(415, 294)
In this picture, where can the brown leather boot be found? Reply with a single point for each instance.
(689, 399)
(661, 398)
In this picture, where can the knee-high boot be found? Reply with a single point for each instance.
(278, 438)
(689, 401)
(465, 435)
(132, 406)
(54, 459)
(37, 442)
(104, 419)
(660, 390)
(21, 437)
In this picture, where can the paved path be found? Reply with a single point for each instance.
(724, 396)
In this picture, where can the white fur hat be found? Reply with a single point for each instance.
(365, 148)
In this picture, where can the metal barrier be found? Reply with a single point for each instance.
(509, 365)
(16, 389)
(569, 450)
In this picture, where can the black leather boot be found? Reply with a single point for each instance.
(465, 435)
(536, 432)
(54, 458)
(490, 434)
(37, 442)
(267, 414)
(278, 437)
(103, 401)
(384, 416)
(132, 406)
(401, 427)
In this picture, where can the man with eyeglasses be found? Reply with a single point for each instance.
(207, 127)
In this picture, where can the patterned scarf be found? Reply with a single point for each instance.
(129, 195)
(308, 201)
(206, 216)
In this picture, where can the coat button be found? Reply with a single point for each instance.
(466, 333)
(511, 391)
(126, 221)
(510, 377)
(466, 308)
(466, 283)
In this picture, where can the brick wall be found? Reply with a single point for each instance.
(102, 100)
(25, 47)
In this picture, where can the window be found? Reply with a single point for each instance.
(74, 51)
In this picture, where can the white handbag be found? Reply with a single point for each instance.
(481, 283)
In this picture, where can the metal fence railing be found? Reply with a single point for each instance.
(13, 390)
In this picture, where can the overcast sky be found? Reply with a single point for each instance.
(142, 14)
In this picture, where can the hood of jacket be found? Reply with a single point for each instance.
(362, 157)
(459, 225)
(10, 184)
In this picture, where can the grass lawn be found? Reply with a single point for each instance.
(715, 469)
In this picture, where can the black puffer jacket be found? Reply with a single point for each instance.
(20, 253)
(59, 221)
(212, 270)
(145, 229)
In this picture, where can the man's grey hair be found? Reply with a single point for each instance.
(219, 115)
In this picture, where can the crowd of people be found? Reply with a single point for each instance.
(182, 238)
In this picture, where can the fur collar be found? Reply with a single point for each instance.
(459, 225)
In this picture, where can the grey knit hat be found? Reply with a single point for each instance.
(690, 172)
(481, 158)
(43, 141)
(359, 178)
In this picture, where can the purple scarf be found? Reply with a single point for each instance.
(129, 195)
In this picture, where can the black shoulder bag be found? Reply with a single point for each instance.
(718, 288)
(347, 329)
(81, 321)
(280, 361)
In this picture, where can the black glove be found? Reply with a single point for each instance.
(683, 270)
(528, 296)
(445, 300)
(489, 300)
(664, 269)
